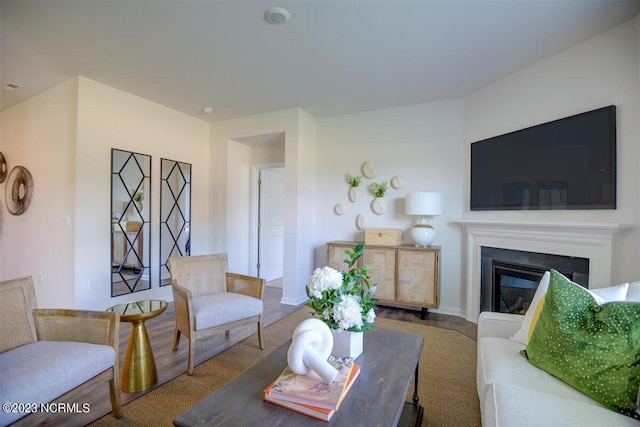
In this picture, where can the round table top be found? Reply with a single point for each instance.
(139, 310)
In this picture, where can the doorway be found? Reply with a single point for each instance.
(269, 223)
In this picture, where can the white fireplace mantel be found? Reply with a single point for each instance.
(593, 241)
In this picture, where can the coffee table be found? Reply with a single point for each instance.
(389, 362)
(139, 371)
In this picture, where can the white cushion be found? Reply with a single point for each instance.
(44, 370)
(508, 405)
(218, 309)
(610, 294)
(500, 361)
(633, 293)
(522, 336)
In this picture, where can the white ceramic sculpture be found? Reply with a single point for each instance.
(310, 348)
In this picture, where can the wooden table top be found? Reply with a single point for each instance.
(388, 364)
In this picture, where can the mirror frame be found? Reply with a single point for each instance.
(130, 239)
(175, 213)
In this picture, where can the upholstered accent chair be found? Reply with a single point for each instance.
(53, 355)
(208, 299)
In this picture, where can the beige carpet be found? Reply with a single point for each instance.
(446, 385)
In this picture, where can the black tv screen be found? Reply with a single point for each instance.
(568, 163)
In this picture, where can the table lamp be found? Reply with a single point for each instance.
(425, 204)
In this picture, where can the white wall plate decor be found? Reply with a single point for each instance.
(368, 170)
(379, 206)
(397, 182)
(361, 222)
(354, 194)
(339, 209)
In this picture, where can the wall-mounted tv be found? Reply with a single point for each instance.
(569, 163)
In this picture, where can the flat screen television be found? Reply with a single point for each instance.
(569, 163)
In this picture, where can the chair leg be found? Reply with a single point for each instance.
(192, 350)
(114, 391)
(226, 333)
(176, 338)
(260, 342)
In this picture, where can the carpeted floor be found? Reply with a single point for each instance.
(447, 383)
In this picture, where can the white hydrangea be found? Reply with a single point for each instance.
(348, 312)
(324, 279)
(371, 315)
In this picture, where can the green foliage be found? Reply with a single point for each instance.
(379, 189)
(354, 181)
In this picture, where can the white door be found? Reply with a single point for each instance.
(271, 224)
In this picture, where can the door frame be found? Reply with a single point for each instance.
(255, 211)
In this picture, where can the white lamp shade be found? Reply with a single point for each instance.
(423, 203)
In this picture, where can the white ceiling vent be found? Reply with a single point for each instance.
(11, 86)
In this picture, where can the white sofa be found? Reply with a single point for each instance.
(513, 392)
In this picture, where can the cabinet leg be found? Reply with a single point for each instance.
(423, 313)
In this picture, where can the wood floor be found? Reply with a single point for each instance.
(171, 364)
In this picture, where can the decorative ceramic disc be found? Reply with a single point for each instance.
(361, 222)
(378, 206)
(397, 182)
(339, 209)
(3, 168)
(368, 170)
(19, 190)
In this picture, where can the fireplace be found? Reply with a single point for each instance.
(591, 241)
(509, 278)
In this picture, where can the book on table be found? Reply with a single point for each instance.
(311, 391)
(312, 411)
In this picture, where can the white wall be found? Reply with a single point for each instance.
(39, 134)
(421, 143)
(596, 73)
(228, 234)
(110, 118)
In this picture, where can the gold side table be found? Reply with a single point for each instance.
(139, 372)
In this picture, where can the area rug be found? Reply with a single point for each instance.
(446, 385)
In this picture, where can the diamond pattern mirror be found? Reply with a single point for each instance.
(175, 213)
(130, 222)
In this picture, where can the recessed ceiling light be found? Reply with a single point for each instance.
(11, 86)
(207, 110)
(276, 15)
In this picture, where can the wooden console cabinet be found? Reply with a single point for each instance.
(405, 275)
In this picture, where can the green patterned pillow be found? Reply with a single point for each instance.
(594, 348)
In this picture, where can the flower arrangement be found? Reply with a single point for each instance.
(379, 189)
(343, 300)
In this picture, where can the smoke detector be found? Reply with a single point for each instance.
(276, 15)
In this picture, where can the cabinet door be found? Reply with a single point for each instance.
(383, 271)
(336, 256)
(418, 277)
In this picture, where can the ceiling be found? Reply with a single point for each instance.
(331, 57)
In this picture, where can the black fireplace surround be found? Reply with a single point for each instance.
(508, 278)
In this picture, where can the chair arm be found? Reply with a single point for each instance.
(500, 325)
(182, 301)
(246, 285)
(95, 327)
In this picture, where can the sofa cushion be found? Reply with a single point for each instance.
(217, 309)
(592, 347)
(44, 370)
(500, 362)
(531, 316)
(508, 404)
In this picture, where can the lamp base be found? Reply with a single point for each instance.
(423, 235)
